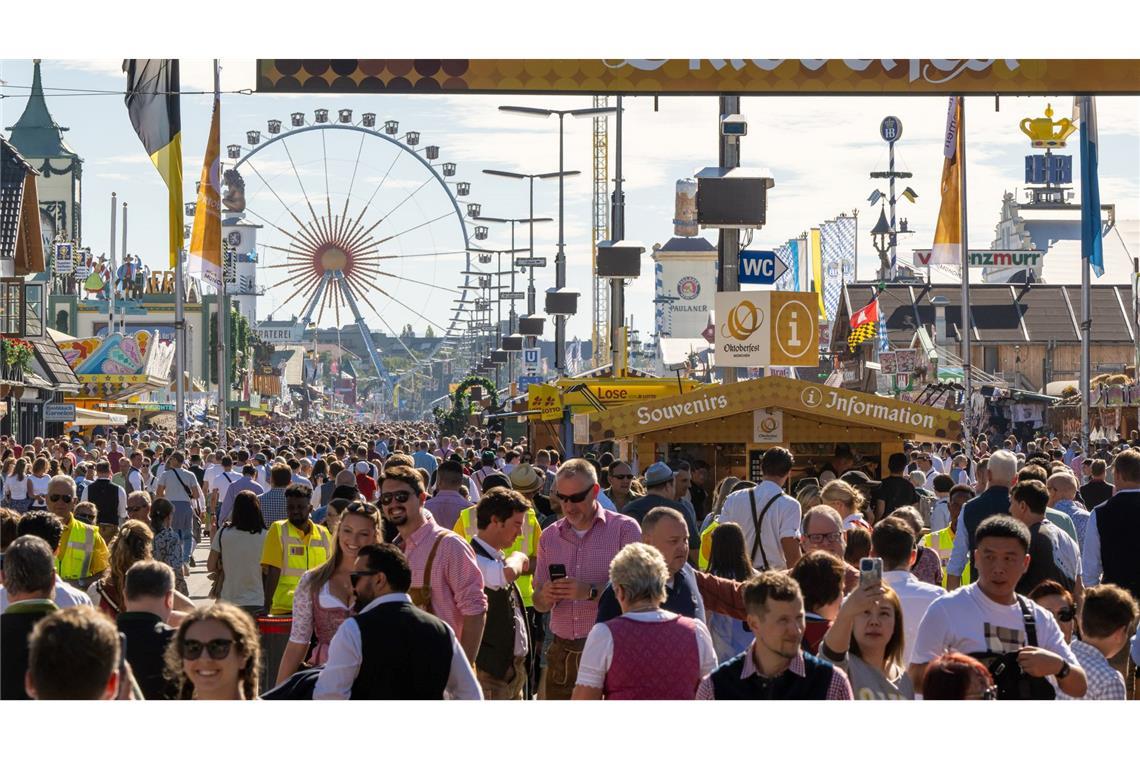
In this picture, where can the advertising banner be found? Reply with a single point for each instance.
(823, 76)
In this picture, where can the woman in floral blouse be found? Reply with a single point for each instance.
(167, 545)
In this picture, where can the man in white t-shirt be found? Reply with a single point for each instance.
(987, 616)
(776, 513)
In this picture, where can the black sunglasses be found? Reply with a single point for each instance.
(355, 576)
(60, 497)
(400, 496)
(218, 649)
(1066, 614)
(574, 498)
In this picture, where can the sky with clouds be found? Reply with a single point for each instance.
(820, 151)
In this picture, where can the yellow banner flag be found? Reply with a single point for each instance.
(947, 248)
(817, 269)
(206, 237)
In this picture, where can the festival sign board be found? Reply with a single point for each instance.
(980, 258)
(833, 405)
(762, 328)
(768, 426)
(774, 76)
(547, 399)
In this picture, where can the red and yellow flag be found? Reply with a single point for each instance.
(206, 237)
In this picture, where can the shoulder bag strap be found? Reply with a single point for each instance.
(1030, 622)
(427, 569)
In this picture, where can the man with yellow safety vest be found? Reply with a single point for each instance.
(292, 547)
(942, 541)
(82, 555)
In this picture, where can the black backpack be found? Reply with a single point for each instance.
(1010, 680)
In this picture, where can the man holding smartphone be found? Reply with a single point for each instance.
(574, 555)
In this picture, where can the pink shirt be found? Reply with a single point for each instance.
(587, 559)
(456, 582)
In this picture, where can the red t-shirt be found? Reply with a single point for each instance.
(366, 484)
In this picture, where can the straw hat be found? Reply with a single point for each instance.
(525, 479)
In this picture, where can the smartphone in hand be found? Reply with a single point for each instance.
(870, 572)
(557, 572)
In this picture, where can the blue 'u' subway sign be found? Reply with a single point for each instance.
(760, 267)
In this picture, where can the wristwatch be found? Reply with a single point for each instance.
(594, 595)
(1064, 671)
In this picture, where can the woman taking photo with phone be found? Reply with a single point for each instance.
(866, 641)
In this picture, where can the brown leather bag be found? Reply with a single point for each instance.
(421, 595)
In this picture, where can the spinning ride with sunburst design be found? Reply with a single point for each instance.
(359, 216)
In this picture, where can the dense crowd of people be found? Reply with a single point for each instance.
(352, 561)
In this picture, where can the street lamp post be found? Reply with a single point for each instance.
(530, 292)
(560, 258)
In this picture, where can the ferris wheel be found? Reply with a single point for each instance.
(358, 216)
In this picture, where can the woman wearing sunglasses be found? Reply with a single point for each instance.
(216, 654)
(323, 598)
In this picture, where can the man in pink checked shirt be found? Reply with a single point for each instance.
(446, 580)
(574, 555)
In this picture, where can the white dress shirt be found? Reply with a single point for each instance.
(914, 596)
(122, 497)
(345, 653)
(65, 595)
(1091, 566)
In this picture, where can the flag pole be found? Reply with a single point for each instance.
(179, 346)
(1086, 355)
(967, 382)
(1087, 246)
(223, 385)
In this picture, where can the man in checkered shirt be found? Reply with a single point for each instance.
(1107, 615)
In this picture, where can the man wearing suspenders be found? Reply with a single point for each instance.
(768, 517)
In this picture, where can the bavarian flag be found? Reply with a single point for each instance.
(947, 248)
(152, 102)
(863, 324)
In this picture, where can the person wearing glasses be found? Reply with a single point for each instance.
(446, 580)
(822, 530)
(620, 477)
(1106, 613)
(392, 649)
(323, 599)
(83, 554)
(216, 654)
(580, 545)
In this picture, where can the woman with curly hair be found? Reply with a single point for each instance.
(216, 654)
(131, 544)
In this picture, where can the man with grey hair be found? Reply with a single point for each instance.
(579, 546)
(1002, 471)
(83, 554)
(29, 579)
(646, 652)
(666, 530)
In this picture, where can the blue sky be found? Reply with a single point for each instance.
(820, 151)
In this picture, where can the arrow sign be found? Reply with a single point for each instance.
(538, 261)
(761, 267)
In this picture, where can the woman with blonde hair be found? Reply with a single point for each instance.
(847, 501)
(131, 544)
(867, 641)
(323, 599)
(216, 654)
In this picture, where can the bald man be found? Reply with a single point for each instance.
(1062, 497)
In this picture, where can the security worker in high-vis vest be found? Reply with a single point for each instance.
(942, 541)
(292, 547)
(705, 552)
(82, 555)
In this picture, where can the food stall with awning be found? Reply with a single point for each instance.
(729, 426)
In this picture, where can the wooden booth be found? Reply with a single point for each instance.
(730, 426)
